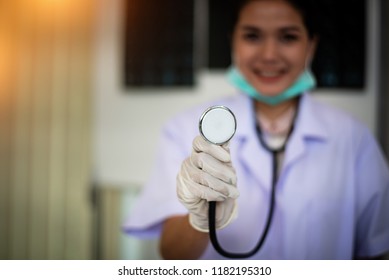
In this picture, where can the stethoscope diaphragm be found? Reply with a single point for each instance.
(217, 124)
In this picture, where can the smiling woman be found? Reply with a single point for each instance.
(340, 58)
(305, 179)
(271, 45)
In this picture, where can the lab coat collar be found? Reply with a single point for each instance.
(308, 123)
(254, 158)
(308, 127)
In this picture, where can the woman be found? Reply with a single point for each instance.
(331, 181)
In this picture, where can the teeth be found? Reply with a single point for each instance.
(269, 74)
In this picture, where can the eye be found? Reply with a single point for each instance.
(251, 36)
(289, 38)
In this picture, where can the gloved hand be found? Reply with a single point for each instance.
(208, 175)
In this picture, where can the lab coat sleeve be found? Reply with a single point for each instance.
(158, 199)
(372, 238)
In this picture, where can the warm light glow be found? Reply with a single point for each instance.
(5, 63)
(6, 56)
(28, 23)
(62, 13)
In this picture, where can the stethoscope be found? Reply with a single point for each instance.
(218, 125)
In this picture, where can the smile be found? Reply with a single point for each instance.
(269, 76)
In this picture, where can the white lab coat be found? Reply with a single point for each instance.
(332, 196)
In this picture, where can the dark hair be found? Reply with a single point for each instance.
(308, 10)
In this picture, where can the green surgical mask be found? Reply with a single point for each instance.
(304, 82)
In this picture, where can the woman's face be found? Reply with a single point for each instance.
(271, 45)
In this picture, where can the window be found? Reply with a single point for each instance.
(159, 43)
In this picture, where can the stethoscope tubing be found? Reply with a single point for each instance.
(212, 204)
(212, 222)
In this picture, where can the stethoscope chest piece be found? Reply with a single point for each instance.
(217, 125)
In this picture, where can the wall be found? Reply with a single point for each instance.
(45, 134)
(127, 121)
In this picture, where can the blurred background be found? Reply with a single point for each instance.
(85, 86)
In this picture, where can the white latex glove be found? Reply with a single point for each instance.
(208, 175)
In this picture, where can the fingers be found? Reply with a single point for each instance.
(208, 175)
(206, 186)
(219, 152)
(220, 170)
